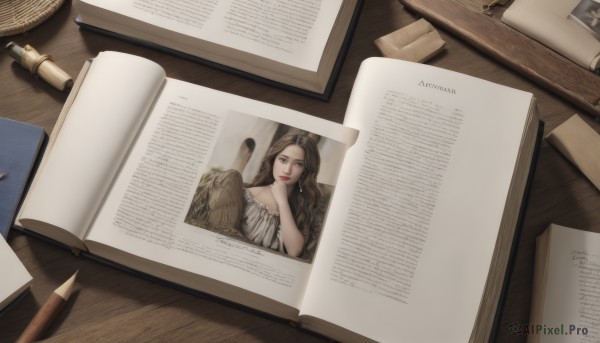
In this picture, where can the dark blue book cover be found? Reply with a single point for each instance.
(20, 144)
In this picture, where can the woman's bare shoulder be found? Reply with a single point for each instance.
(255, 191)
(263, 195)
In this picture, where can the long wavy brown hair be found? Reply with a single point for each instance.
(303, 204)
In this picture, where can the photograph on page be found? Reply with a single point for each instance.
(267, 184)
(587, 14)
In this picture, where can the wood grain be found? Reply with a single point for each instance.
(521, 53)
(111, 306)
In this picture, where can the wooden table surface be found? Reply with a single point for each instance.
(110, 305)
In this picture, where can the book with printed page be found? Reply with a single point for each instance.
(425, 164)
(565, 303)
(287, 44)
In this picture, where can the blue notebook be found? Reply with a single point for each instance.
(20, 144)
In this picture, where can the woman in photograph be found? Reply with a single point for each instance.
(280, 205)
(278, 210)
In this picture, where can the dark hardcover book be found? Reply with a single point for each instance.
(20, 144)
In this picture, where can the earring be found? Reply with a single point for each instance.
(300, 185)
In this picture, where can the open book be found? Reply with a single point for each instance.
(421, 193)
(565, 303)
(557, 24)
(294, 45)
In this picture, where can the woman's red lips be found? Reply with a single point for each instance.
(284, 178)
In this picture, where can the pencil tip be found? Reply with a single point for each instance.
(64, 291)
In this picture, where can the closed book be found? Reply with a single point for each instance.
(20, 144)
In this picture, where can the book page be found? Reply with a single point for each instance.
(191, 131)
(285, 31)
(548, 22)
(424, 191)
(15, 277)
(102, 122)
(571, 310)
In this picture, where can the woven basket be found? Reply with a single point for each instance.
(18, 16)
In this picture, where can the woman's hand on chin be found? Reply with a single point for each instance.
(279, 192)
